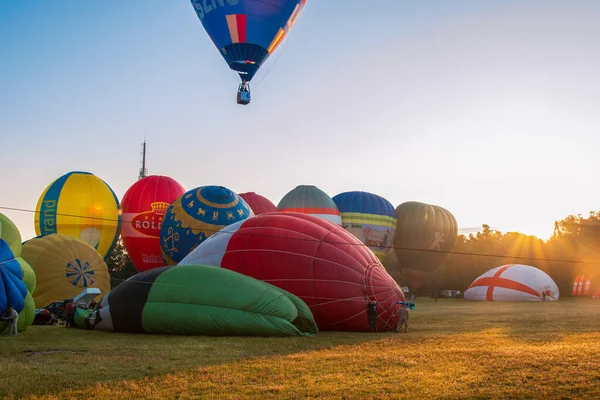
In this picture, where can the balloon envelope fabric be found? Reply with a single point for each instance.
(144, 206)
(200, 300)
(320, 262)
(81, 205)
(64, 267)
(370, 218)
(195, 216)
(247, 32)
(259, 204)
(308, 199)
(17, 279)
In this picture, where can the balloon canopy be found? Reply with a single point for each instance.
(259, 204)
(197, 215)
(370, 218)
(308, 199)
(247, 32)
(424, 236)
(513, 282)
(323, 264)
(81, 205)
(144, 206)
(64, 267)
(17, 279)
(200, 300)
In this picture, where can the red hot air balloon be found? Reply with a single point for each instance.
(322, 263)
(259, 204)
(144, 206)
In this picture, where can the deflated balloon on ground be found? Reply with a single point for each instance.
(199, 300)
(320, 262)
(17, 279)
(64, 267)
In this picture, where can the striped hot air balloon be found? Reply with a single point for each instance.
(307, 199)
(370, 218)
(81, 205)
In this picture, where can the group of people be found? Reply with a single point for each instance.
(69, 309)
(12, 316)
(402, 319)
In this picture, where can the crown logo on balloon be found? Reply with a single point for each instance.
(160, 207)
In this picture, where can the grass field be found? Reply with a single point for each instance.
(454, 349)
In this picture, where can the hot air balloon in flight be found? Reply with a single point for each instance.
(425, 235)
(144, 206)
(17, 279)
(369, 217)
(247, 32)
(81, 205)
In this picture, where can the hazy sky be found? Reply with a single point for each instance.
(487, 108)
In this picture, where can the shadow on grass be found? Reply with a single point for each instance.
(46, 360)
(448, 338)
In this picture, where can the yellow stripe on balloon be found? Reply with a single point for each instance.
(278, 38)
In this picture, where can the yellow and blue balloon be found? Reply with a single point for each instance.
(81, 205)
(64, 266)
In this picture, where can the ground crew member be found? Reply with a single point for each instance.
(372, 310)
(12, 316)
(403, 318)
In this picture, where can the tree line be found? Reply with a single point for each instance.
(573, 248)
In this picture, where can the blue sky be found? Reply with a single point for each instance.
(487, 108)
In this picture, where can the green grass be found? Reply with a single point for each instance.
(454, 349)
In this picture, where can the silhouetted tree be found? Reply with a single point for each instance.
(120, 266)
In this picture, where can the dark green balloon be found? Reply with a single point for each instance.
(425, 235)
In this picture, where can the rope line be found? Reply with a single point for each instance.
(411, 249)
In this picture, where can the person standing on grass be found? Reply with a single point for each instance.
(12, 316)
(403, 317)
(70, 313)
(372, 311)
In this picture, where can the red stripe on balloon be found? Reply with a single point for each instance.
(241, 25)
(497, 281)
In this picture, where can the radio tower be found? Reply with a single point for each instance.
(143, 170)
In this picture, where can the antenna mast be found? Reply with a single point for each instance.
(143, 170)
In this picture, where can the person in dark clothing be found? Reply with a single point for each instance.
(372, 311)
(70, 314)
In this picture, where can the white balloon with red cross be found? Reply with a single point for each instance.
(513, 282)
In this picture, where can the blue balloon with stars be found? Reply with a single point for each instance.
(197, 215)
